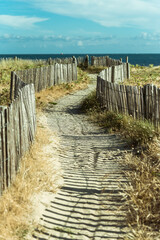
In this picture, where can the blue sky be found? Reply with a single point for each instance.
(79, 26)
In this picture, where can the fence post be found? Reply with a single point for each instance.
(127, 59)
(12, 85)
(113, 74)
(1, 158)
(128, 70)
(86, 61)
(92, 61)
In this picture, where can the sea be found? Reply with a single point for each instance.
(139, 59)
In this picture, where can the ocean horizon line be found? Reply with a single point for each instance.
(142, 59)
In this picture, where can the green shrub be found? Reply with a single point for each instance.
(137, 132)
(90, 103)
(113, 120)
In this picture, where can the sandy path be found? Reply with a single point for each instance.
(90, 203)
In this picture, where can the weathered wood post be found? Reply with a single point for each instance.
(86, 61)
(128, 68)
(127, 59)
(74, 69)
(49, 61)
(92, 61)
(113, 74)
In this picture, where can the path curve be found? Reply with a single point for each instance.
(90, 205)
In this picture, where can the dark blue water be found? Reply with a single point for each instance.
(140, 59)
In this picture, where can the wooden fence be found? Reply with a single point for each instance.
(18, 121)
(140, 102)
(44, 77)
(52, 61)
(104, 61)
(116, 74)
(18, 126)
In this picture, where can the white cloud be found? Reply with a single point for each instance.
(109, 13)
(80, 43)
(19, 21)
(149, 37)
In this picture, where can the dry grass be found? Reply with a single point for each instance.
(38, 173)
(141, 76)
(6, 66)
(50, 95)
(143, 200)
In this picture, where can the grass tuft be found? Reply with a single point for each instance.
(136, 132)
(90, 103)
(143, 195)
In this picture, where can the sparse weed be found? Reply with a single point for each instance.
(94, 69)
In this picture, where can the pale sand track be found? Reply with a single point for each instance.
(90, 205)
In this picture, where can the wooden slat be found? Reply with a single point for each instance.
(159, 106)
(45, 73)
(39, 79)
(11, 143)
(69, 72)
(56, 74)
(121, 98)
(61, 74)
(1, 158)
(113, 74)
(36, 79)
(156, 109)
(103, 92)
(109, 96)
(52, 76)
(12, 85)
(4, 159)
(6, 114)
(150, 102)
(116, 98)
(65, 72)
(132, 89)
(49, 76)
